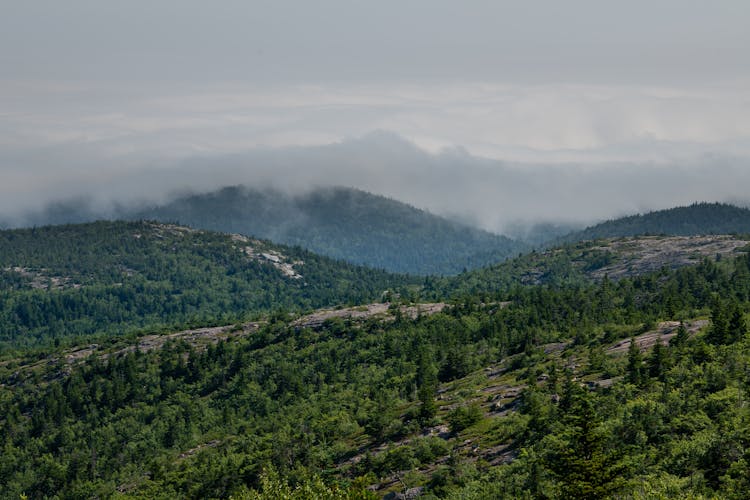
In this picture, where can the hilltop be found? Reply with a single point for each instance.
(343, 223)
(695, 219)
(115, 277)
(590, 261)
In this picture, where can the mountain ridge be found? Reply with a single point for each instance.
(699, 218)
(343, 223)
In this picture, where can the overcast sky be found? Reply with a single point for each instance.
(637, 104)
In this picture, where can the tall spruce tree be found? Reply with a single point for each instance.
(635, 363)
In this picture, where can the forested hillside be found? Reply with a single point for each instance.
(696, 219)
(617, 388)
(110, 278)
(581, 263)
(343, 223)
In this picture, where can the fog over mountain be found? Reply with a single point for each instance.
(492, 194)
(491, 112)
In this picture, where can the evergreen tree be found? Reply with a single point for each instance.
(719, 332)
(426, 384)
(635, 363)
(657, 362)
(680, 339)
(737, 324)
(585, 467)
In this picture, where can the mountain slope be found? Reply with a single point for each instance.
(533, 397)
(589, 261)
(112, 277)
(345, 224)
(696, 219)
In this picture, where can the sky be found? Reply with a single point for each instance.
(491, 111)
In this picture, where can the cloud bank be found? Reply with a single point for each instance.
(490, 193)
(498, 111)
(489, 153)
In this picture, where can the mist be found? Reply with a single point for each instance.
(498, 113)
(495, 195)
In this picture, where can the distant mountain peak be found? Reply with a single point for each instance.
(344, 223)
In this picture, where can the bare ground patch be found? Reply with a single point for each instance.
(645, 254)
(663, 332)
(383, 310)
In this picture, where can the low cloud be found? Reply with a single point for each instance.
(488, 153)
(490, 193)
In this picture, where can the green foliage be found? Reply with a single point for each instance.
(288, 411)
(635, 364)
(273, 487)
(117, 277)
(579, 457)
(344, 223)
(464, 417)
(427, 382)
(696, 219)
(680, 339)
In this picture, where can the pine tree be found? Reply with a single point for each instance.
(657, 362)
(737, 324)
(585, 467)
(719, 333)
(426, 384)
(681, 338)
(635, 363)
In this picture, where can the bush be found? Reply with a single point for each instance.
(427, 449)
(464, 417)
